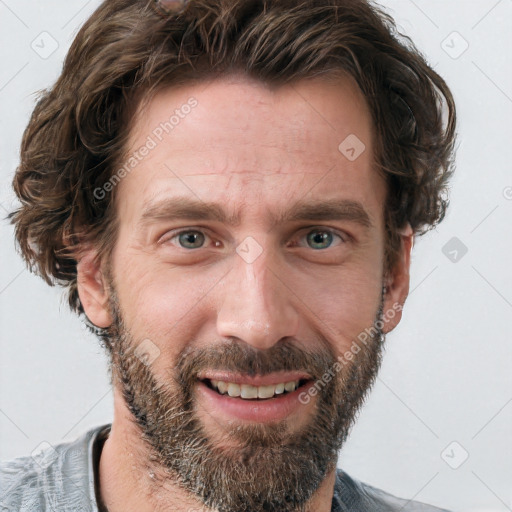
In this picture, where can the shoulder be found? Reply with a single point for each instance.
(53, 478)
(20, 484)
(351, 495)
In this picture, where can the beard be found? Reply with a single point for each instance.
(249, 467)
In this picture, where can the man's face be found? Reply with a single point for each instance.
(249, 256)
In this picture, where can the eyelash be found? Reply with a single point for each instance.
(171, 235)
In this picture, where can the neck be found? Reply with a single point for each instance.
(129, 481)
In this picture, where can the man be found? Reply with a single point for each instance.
(230, 192)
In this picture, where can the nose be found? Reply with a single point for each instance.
(256, 304)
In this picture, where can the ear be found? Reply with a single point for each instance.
(93, 290)
(397, 282)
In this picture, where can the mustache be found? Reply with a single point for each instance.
(238, 357)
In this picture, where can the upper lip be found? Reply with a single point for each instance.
(256, 380)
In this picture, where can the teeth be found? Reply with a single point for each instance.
(290, 386)
(249, 392)
(279, 388)
(221, 386)
(233, 389)
(265, 391)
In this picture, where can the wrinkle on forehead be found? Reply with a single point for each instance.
(298, 106)
(258, 173)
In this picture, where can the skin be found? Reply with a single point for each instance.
(255, 152)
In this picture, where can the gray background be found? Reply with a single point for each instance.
(445, 390)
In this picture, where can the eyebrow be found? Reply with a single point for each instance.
(197, 210)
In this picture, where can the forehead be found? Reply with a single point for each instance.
(234, 139)
(237, 106)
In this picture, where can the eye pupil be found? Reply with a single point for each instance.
(321, 238)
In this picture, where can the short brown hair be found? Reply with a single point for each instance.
(129, 49)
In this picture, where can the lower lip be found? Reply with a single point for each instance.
(258, 411)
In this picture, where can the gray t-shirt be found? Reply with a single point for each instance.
(64, 478)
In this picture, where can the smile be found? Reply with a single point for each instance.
(250, 392)
(228, 396)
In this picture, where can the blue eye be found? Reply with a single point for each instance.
(319, 239)
(191, 239)
(316, 239)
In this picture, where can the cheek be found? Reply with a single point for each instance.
(341, 302)
(343, 305)
(163, 304)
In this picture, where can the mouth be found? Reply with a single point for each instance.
(252, 392)
(226, 396)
